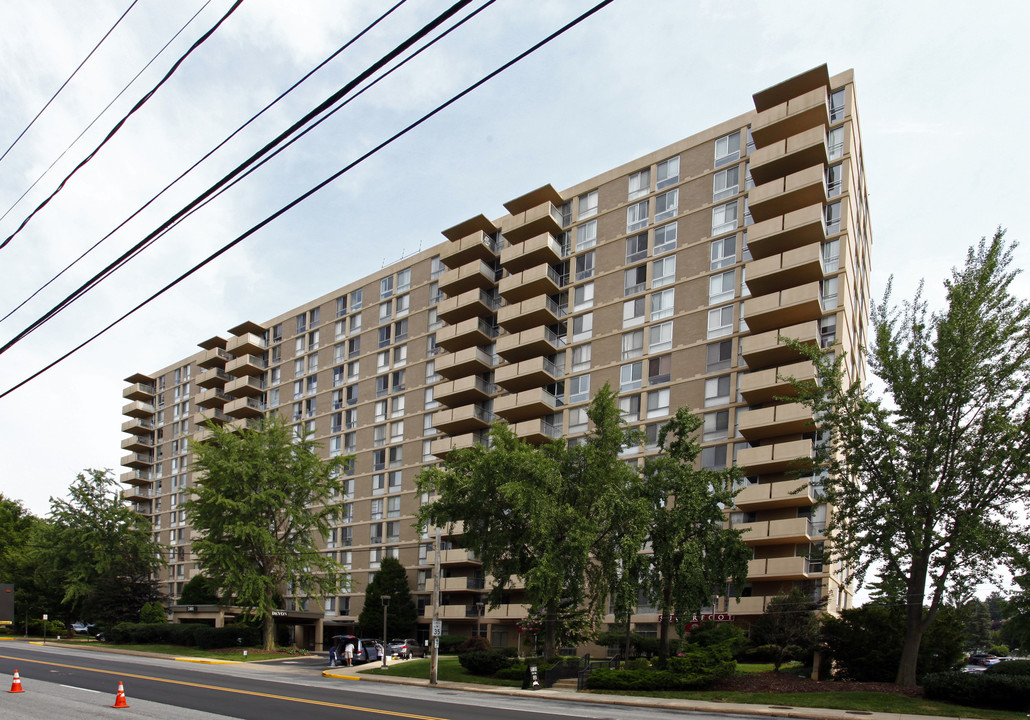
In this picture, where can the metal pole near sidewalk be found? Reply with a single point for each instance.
(434, 662)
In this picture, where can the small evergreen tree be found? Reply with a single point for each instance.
(401, 614)
(789, 625)
(153, 613)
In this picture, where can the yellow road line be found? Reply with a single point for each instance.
(202, 686)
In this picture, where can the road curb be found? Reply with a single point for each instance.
(331, 674)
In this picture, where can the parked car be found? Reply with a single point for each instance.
(983, 659)
(81, 628)
(375, 645)
(364, 651)
(405, 648)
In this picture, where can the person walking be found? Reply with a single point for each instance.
(348, 654)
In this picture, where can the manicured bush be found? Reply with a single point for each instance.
(484, 662)
(449, 643)
(475, 644)
(1000, 650)
(1010, 667)
(696, 667)
(515, 672)
(185, 634)
(638, 664)
(716, 633)
(1005, 692)
(757, 654)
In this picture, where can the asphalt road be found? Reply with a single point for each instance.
(67, 682)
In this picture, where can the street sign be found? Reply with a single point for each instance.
(437, 628)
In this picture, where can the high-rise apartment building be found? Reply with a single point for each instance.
(672, 277)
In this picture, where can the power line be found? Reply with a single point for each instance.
(328, 102)
(296, 201)
(106, 108)
(118, 126)
(208, 154)
(54, 96)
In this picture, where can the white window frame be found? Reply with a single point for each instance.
(639, 184)
(663, 271)
(587, 204)
(726, 183)
(663, 304)
(637, 216)
(717, 322)
(666, 205)
(722, 287)
(667, 173)
(727, 149)
(665, 238)
(724, 218)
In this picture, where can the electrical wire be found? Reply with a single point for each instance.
(328, 102)
(304, 196)
(118, 126)
(74, 72)
(106, 108)
(208, 154)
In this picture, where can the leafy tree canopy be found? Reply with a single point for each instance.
(401, 615)
(789, 625)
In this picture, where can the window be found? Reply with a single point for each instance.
(583, 296)
(384, 336)
(397, 381)
(727, 149)
(429, 403)
(633, 312)
(661, 337)
(724, 252)
(393, 506)
(834, 180)
(350, 419)
(403, 305)
(588, 204)
(719, 356)
(827, 331)
(659, 369)
(277, 332)
(721, 287)
(435, 295)
(397, 406)
(353, 347)
(382, 385)
(668, 173)
(663, 304)
(713, 458)
(716, 425)
(397, 431)
(725, 183)
(436, 267)
(717, 391)
(632, 344)
(829, 293)
(833, 218)
(585, 266)
(404, 280)
(663, 271)
(724, 218)
(356, 299)
(631, 377)
(639, 184)
(637, 216)
(579, 388)
(635, 280)
(313, 317)
(629, 407)
(431, 374)
(582, 327)
(666, 205)
(355, 323)
(341, 306)
(427, 424)
(586, 235)
(837, 105)
(636, 248)
(581, 357)
(380, 410)
(665, 238)
(386, 287)
(313, 339)
(339, 353)
(835, 143)
(434, 319)
(352, 370)
(657, 403)
(578, 420)
(831, 256)
(396, 456)
(350, 443)
(400, 330)
(720, 322)
(302, 325)
(378, 436)
(352, 395)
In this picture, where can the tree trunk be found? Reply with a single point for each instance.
(268, 633)
(910, 650)
(550, 630)
(625, 658)
(663, 640)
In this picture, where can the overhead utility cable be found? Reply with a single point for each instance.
(289, 206)
(118, 126)
(106, 108)
(209, 153)
(328, 102)
(54, 96)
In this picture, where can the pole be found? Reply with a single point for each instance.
(434, 661)
(386, 604)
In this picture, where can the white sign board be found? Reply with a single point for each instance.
(437, 628)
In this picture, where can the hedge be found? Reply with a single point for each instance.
(696, 667)
(1005, 692)
(1010, 667)
(204, 637)
(484, 662)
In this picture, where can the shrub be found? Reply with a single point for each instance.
(475, 644)
(484, 662)
(715, 633)
(638, 664)
(153, 612)
(757, 653)
(515, 672)
(450, 643)
(697, 667)
(1006, 692)
(1010, 667)
(1000, 650)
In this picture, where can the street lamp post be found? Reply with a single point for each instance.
(386, 604)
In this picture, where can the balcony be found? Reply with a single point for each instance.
(533, 214)
(246, 386)
(213, 398)
(783, 568)
(754, 605)
(476, 274)
(466, 334)
(464, 419)
(138, 426)
(792, 87)
(215, 357)
(137, 477)
(812, 109)
(245, 408)
(476, 246)
(526, 405)
(783, 195)
(787, 232)
(776, 532)
(213, 377)
(539, 250)
(470, 304)
(534, 373)
(459, 584)
(137, 494)
(441, 447)
(537, 432)
(138, 409)
(246, 344)
(786, 307)
(790, 155)
(767, 348)
(139, 391)
(212, 415)
(138, 443)
(458, 557)
(540, 310)
(470, 361)
(783, 270)
(776, 458)
(776, 421)
(540, 280)
(762, 386)
(529, 343)
(140, 460)
(246, 365)
(463, 391)
(797, 492)
(506, 611)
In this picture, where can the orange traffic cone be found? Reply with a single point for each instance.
(119, 701)
(16, 685)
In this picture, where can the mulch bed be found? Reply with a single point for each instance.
(785, 682)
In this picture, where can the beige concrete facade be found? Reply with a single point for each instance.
(672, 278)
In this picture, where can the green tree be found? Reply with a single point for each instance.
(20, 539)
(789, 625)
(153, 613)
(927, 479)
(263, 496)
(693, 553)
(200, 590)
(978, 625)
(99, 551)
(550, 515)
(1015, 630)
(401, 615)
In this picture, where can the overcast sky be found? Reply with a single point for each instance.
(939, 87)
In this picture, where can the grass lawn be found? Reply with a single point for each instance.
(230, 654)
(448, 669)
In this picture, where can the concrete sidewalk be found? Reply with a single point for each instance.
(357, 673)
